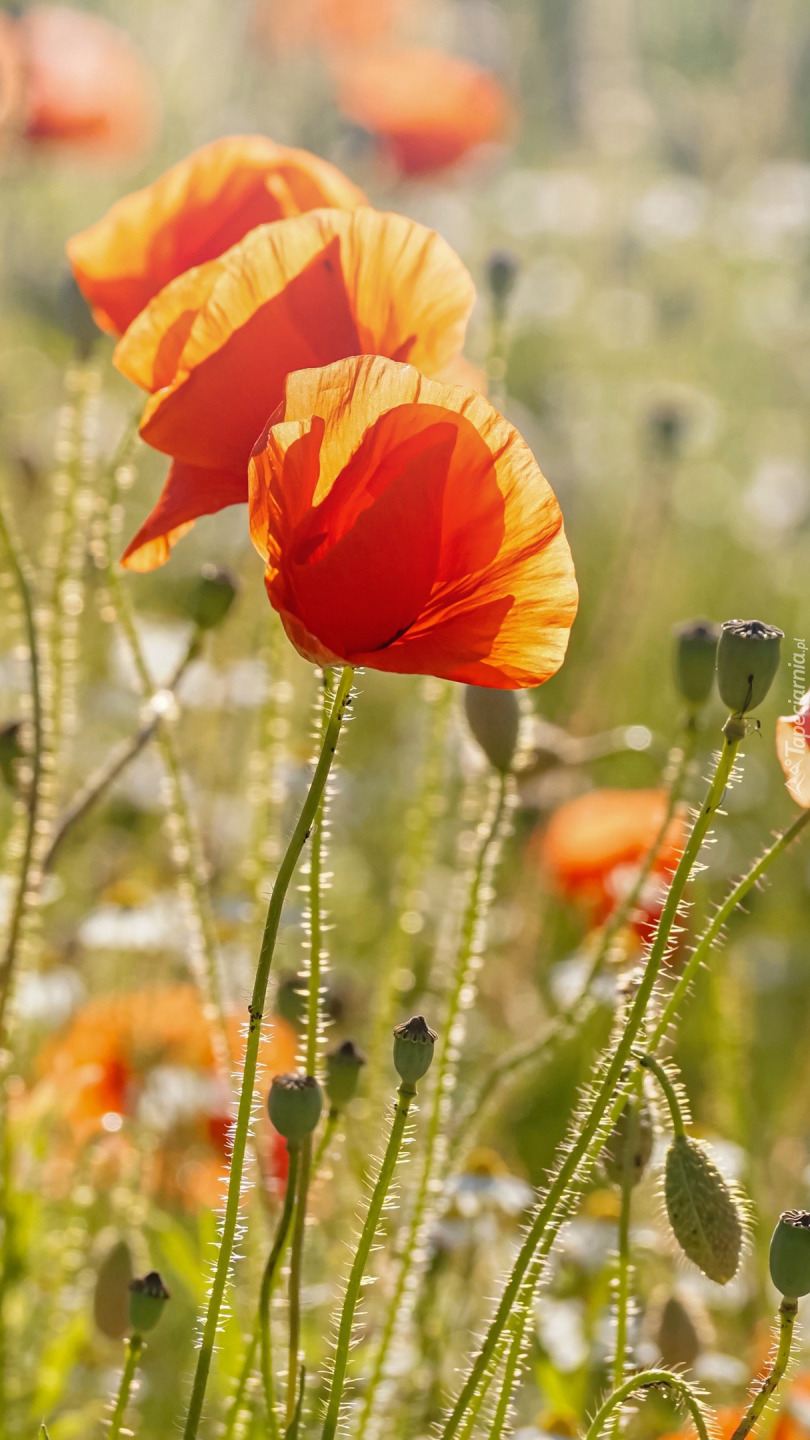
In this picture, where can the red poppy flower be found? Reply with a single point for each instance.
(426, 108)
(406, 526)
(193, 213)
(216, 346)
(85, 85)
(793, 749)
(317, 24)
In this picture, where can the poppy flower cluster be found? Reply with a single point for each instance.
(292, 341)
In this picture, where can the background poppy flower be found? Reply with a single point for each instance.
(793, 750)
(426, 108)
(217, 344)
(193, 213)
(85, 84)
(315, 24)
(406, 526)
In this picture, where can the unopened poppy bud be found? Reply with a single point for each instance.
(680, 1333)
(413, 1049)
(211, 597)
(703, 1213)
(747, 661)
(111, 1298)
(502, 273)
(343, 1066)
(790, 1254)
(10, 751)
(494, 719)
(696, 660)
(294, 1106)
(147, 1298)
(635, 1122)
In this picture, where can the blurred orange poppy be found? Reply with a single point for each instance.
(193, 213)
(426, 108)
(80, 83)
(794, 1421)
(216, 346)
(406, 526)
(727, 1422)
(594, 844)
(793, 750)
(323, 23)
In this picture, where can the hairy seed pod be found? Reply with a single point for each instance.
(643, 1137)
(494, 719)
(790, 1254)
(702, 1211)
(294, 1106)
(747, 662)
(413, 1049)
(343, 1066)
(695, 660)
(147, 1298)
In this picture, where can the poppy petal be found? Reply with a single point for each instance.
(189, 492)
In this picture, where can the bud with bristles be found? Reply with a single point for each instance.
(702, 1210)
(147, 1298)
(634, 1126)
(211, 597)
(680, 1332)
(494, 719)
(294, 1106)
(747, 661)
(790, 1254)
(696, 660)
(343, 1066)
(413, 1049)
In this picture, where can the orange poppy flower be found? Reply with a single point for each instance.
(727, 1422)
(85, 85)
(793, 749)
(216, 346)
(794, 1421)
(193, 213)
(593, 842)
(426, 108)
(406, 526)
(315, 24)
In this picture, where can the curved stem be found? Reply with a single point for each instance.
(269, 1278)
(134, 1348)
(296, 1268)
(787, 1318)
(647, 1380)
(255, 1012)
(589, 1127)
(405, 1097)
(650, 1063)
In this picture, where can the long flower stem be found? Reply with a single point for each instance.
(269, 1278)
(134, 1348)
(296, 1270)
(469, 937)
(624, 1269)
(24, 581)
(405, 1098)
(650, 1063)
(646, 1380)
(588, 1128)
(314, 1023)
(255, 1012)
(787, 1318)
(510, 1376)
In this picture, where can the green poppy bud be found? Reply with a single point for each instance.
(343, 1066)
(702, 1211)
(111, 1299)
(502, 273)
(413, 1049)
(680, 1332)
(147, 1298)
(696, 660)
(494, 719)
(790, 1254)
(643, 1138)
(211, 597)
(294, 1106)
(10, 751)
(747, 661)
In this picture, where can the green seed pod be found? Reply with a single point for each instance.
(502, 273)
(343, 1066)
(494, 719)
(294, 1106)
(619, 1137)
(147, 1298)
(702, 1211)
(747, 661)
(211, 597)
(10, 751)
(111, 1300)
(413, 1049)
(790, 1254)
(696, 660)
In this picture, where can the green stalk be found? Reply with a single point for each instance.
(269, 1278)
(134, 1348)
(624, 1269)
(405, 1097)
(255, 1012)
(646, 1380)
(296, 1268)
(314, 1018)
(788, 1311)
(588, 1129)
(650, 1063)
(509, 1379)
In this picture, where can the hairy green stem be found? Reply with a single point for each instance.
(787, 1318)
(624, 1269)
(648, 1380)
(670, 1094)
(589, 1127)
(314, 1019)
(271, 1271)
(134, 1348)
(405, 1097)
(296, 1270)
(255, 1013)
(510, 1375)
